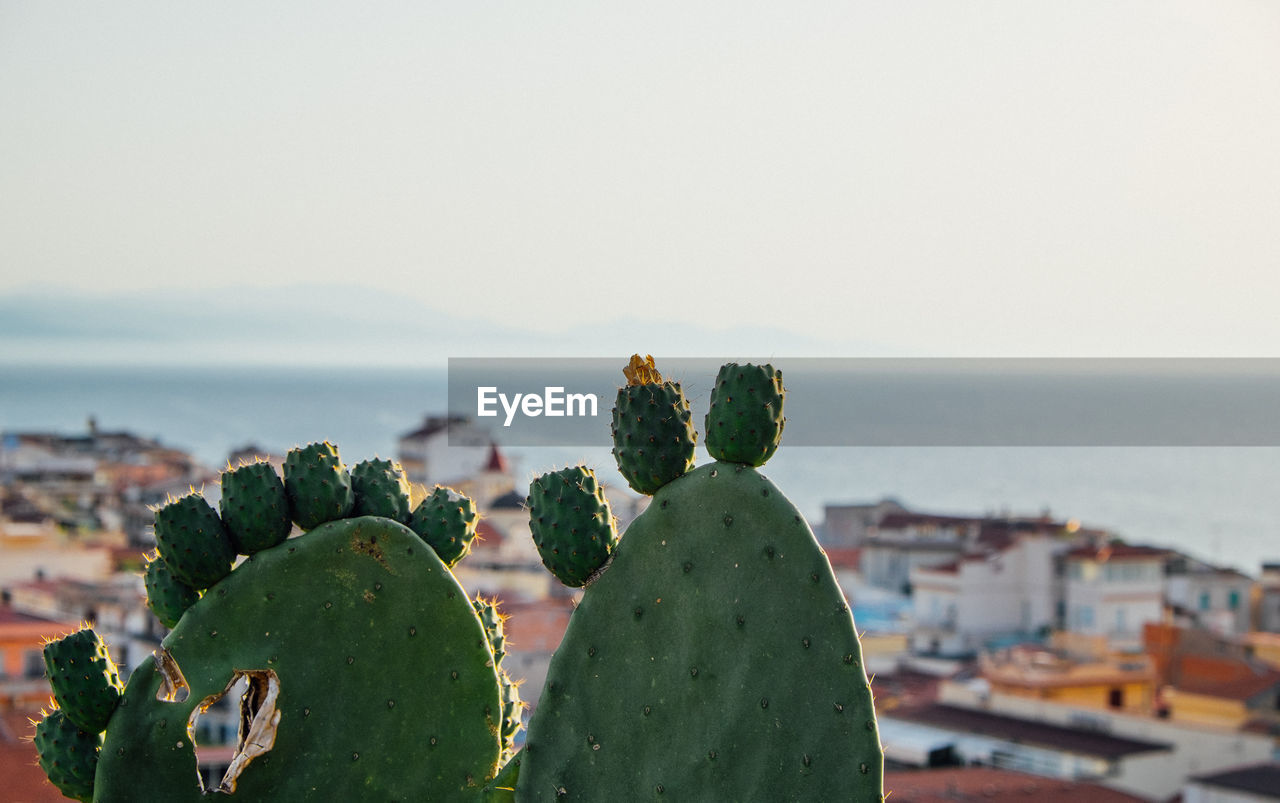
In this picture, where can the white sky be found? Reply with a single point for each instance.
(947, 178)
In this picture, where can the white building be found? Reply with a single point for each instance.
(1113, 590)
(1209, 596)
(444, 451)
(1014, 590)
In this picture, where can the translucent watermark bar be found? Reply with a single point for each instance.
(901, 402)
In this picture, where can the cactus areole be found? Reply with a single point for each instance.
(715, 656)
(370, 675)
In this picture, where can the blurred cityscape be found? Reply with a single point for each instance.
(1018, 656)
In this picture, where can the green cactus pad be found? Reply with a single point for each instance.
(653, 435)
(512, 706)
(193, 542)
(744, 424)
(68, 755)
(447, 521)
(494, 629)
(254, 507)
(571, 523)
(386, 683)
(381, 489)
(167, 596)
(317, 485)
(715, 659)
(84, 679)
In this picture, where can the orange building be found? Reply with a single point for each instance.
(22, 636)
(1119, 682)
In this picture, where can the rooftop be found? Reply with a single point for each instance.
(951, 784)
(1024, 731)
(1108, 552)
(1258, 779)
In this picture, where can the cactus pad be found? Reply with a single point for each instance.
(68, 755)
(193, 542)
(653, 435)
(447, 521)
(167, 596)
(744, 424)
(254, 507)
(715, 658)
(84, 679)
(381, 489)
(317, 485)
(571, 523)
(374, 678)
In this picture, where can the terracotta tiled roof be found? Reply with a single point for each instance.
(23, 778)
(1118, 552)
(489, 535)
(951, 784)
(1244, 686)
(844, 557)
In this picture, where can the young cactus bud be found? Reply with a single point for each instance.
(571, 523)
(254, 507)
(84, 680)
(192, 541)
(167, 596)
(317, 485)
(68, 754)
(745, 422)
(653, 434)
(447, 521)
(381, 489)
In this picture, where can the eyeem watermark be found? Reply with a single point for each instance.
(899, 401)
(552, 402)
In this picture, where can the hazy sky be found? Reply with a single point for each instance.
(939, 177)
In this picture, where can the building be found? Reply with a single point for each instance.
(1186, 749)
(1208, 596)
(1213, 680)
(975, 736)
(23, 686)
(1010, 591)
(1113, 590)
(1267, 599)
(1073, 672)
(959, 784)
(445, 450)
(847, 526)
(1256, 783)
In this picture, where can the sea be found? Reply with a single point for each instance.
(1217, 503)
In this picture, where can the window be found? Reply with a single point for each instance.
(1204, 600)
(33, 664)
(1233, 600)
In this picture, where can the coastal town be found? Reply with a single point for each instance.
(1013, 655)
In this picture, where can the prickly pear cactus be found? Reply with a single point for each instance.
(571, 523)
(447, 521)
(714, 658)
(744, 424)
(369, 675)
(653, 432)
(68, 754)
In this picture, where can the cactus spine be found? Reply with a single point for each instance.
(653, 432)
(714, 657)
(370, 672)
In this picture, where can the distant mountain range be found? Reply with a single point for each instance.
(340, 325)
